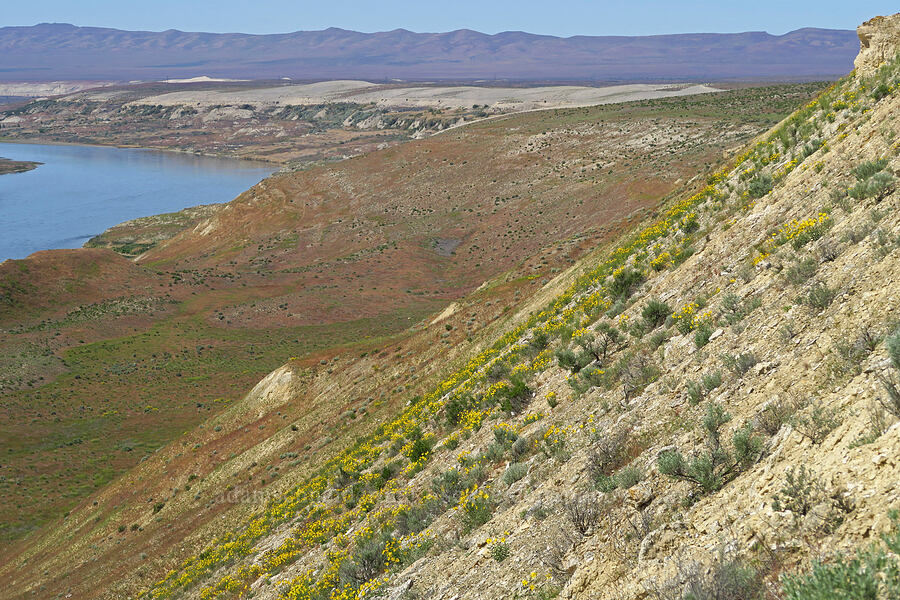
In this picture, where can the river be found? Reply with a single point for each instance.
(80, 191)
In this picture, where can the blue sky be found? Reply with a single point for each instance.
(554, 17)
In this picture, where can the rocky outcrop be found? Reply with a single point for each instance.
(879, 41)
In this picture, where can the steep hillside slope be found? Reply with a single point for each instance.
(715, 390)
(106, 360)
(49, 52)
(707, 403)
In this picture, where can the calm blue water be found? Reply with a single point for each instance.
(80, 191)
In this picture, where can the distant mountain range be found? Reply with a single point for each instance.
(48, 52)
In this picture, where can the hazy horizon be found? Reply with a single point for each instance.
(569, 17)
(427, 32)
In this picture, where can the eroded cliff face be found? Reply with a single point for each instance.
(879, 41)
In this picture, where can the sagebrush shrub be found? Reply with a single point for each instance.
(520, 448)
(539, 340)
(449, 485)
(583, 512)
(760, 186)
(801, 271)
(505, 436)
(741, 363)
(871, 574)
(608, 453)
(774, 415)
(818, 423)
(695, 392)
(416, 518)
(880, 91)
(497, 371)
(734, 309)
(624, 282)
(514, 396)
(797, 493)
(872, 180)
(605, 340)
(629, 476)
(712, 380)
(569, 360)
(727, 578)
(713, 468)
(655, 313)
(820, 297)
(635, 371)
(367, 561)
(514, 472)
(893, 347)
(847, 355)
(888, 381)
(877, 186)
(658, 338)
(866, 169)
(703, 332)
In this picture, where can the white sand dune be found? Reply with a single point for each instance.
(363, 92)
(201, 79)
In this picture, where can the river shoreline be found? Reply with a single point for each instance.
(9, 166)
(81, 190)
(41, 142)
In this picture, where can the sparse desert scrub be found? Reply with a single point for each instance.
(889, 380)
(774, 415)
(739, 364)
(801, 271)
(710, 469)
(514, 472)
(850, 351)
(760, 186)
(872, 572)
(872, 181)
(817, 421)
(655, 313)
(803, 491)
(582, 511)
(697, 390)
(726, 578)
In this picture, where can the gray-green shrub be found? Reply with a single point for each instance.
(819, 297)
(760, 186)
(877, 186)
(739, 364)
(727, 578)
(871, 574)
(514, 472)
(801, 271)
(715, 466)
(817, 423)
(797, 495)
(655, 313)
